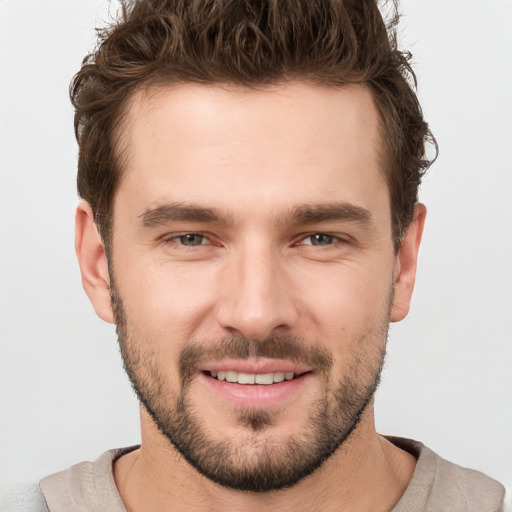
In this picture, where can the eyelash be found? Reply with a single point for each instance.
(333, 238)
(174, 239)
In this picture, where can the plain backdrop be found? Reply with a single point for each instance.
(448, 378)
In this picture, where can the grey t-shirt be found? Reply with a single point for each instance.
(436, 486)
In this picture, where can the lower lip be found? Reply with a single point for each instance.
(255, 395)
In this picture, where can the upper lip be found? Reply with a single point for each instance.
(256, 366)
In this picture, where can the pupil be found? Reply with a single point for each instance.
(191, 239)
(321, 239)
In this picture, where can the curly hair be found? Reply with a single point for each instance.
(251, 43)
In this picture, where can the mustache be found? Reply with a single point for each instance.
(290, 348)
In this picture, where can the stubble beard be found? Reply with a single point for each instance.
(257, 464)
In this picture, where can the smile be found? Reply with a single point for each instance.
(255, 385)
(252, 378)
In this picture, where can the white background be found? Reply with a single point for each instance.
(448, 379)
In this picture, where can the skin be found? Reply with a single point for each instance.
(254, 156)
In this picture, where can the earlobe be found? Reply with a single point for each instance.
(406, 264)
(92, 259)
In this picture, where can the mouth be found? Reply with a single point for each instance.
(255, 386)
(264, 379)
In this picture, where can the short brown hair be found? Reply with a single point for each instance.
(249, 43)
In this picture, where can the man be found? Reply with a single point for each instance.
(249, 174)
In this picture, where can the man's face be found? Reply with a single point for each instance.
(252, 272)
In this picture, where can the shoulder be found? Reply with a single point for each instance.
(87, 486)
(440, 485)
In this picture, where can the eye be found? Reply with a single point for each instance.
(189, 239)
(319, 240)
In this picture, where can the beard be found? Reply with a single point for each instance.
(256, 463)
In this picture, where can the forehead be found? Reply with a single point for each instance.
(292, 143)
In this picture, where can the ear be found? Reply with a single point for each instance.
(406, 263)
(92, 259)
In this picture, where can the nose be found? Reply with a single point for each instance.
(257, 298)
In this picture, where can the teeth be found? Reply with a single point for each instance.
(279, 376)
(246, 378)
(264, 378)
(250, 378)
(231, 376)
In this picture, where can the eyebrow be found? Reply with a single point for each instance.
(301, 214)
(183, 212)
(331, 212)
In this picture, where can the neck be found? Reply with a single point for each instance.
(367, 473)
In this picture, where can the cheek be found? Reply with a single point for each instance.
(347, 302)
(167, 299)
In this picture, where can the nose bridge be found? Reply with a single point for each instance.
(256, 298)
